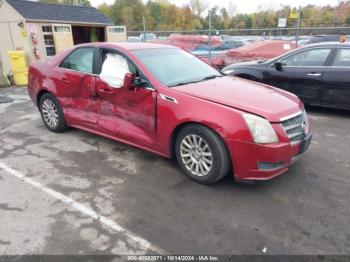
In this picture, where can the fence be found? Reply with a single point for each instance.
(266, 32)
(248, 35)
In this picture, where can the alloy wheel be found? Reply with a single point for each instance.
(50, 113)
(196, 155)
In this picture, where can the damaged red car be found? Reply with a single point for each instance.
(165, 100)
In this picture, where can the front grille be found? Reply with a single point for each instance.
(295, 127)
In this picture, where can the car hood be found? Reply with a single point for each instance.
(256, 98)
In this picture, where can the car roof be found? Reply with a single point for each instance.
(333, 43)
(130, 45)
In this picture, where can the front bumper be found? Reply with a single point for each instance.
(264, 161)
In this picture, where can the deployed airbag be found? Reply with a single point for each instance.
(114, 69)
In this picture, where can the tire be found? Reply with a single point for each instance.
(50, 109)
(205, 142)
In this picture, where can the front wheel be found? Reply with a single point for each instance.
(202, 154)
(52, 114)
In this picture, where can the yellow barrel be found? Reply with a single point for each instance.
(18, 60)
(20, 77)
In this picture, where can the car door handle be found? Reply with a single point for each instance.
(314, 74)
(65, 80)
(106, 91)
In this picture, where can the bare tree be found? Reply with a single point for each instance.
(232, 8)
(199, 6)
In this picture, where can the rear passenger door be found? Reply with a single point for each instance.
(75, 83)
(336, 80)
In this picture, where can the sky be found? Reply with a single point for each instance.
(244, 6)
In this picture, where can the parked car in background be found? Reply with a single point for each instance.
(226, 37)
(259, 51)
(162, 38)
(232, 44)
(324, 38)
(133, 39)
(165, 100)
(319, 74)
(148, 37)
(304, 40)
(243, 40)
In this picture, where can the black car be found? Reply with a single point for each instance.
(319, 74)
(324, 38)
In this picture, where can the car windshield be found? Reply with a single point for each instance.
(174, 67)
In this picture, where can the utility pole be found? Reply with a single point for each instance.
(298, 26)
(209, 34)
(144, 29)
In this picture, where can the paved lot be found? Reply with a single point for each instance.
(305, 211)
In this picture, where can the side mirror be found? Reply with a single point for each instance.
(128, 80)
(278, 66)
(139, 81)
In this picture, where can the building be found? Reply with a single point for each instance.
(41, 30)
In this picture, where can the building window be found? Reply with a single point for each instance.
(62, 28)
(48, 39)
(47, 29)
(116, 29)
(49, 42)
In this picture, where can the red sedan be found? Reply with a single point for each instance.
(165, 100)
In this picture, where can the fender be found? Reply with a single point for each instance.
(241, 72)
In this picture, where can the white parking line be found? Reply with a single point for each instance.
(85, 210)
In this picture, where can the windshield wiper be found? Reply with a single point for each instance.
(183, 83)
(209, 77)
(196, 81)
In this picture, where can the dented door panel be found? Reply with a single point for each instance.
(127, 114)
(77, 94)
(137, 112)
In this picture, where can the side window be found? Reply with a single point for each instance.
(114, 69)
(80, 60)
(342, 58)
(315, 57)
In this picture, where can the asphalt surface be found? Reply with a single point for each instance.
(304, 211)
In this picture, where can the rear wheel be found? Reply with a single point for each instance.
(52, 114)
(202, 154)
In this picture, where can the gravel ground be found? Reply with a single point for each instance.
(305, 211)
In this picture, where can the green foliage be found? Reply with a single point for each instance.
(163, 15)
(93, 35)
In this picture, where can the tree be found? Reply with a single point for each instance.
(163, 15)
(198, 6)
(232, 8)
(225, 18)
(106, 10)
(128, 13)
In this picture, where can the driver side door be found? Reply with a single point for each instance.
(127, 113)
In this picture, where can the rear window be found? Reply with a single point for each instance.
(80, 60)
(342, 58)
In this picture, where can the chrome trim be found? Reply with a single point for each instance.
(168, 98)
(314, 74)
(72, 70)
(294, 143)
(291, 116)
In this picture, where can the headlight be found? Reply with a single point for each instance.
(261, 129)
(228, 71)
